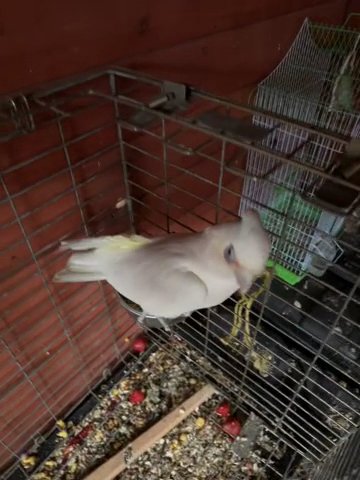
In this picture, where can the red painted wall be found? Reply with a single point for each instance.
(42, 41)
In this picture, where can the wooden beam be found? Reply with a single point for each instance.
(116, 464)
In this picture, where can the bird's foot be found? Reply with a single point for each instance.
(227, 339)
(164, 324)
(262, 362)
(141, 319)
(230, 340)
(142, 323)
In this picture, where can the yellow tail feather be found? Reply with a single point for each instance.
(121, 242)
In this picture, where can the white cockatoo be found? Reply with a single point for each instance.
(174, 275)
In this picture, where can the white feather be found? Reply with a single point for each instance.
(176, 274)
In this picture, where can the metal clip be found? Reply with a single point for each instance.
(244, 444)
(172, 98)
(15, 117)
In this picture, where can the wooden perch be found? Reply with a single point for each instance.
(121, 460)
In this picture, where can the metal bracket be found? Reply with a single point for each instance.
(236, 127)
(15, 117)
(250, 432)
(176, 96)
(173, 98)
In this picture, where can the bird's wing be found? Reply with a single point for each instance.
(181, 292)
(159, 276)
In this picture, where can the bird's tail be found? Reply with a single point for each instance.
(87, 264)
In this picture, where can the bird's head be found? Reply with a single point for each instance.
(245, 248)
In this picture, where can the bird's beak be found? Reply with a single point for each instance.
(237, 271)
(243, 277)
(235, 264)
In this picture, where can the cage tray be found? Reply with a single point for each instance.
(197, 448)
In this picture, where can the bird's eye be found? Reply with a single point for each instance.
(229, 253)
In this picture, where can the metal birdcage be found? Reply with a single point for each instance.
(117, 151)
(305, 87)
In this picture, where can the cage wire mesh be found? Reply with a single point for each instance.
(117, 151)
(318, 83)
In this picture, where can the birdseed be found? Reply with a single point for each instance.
(197, 448)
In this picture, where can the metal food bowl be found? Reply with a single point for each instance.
(146, 321)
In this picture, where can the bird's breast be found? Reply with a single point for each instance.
(220, 283)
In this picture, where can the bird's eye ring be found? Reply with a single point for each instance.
(229, 253)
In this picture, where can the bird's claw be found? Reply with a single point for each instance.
(229, 340)
(242, 313)
(141, 319)
(164, 324)
(262, 362)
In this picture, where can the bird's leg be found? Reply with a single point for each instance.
(242, 312)
(237, 321)
(265, 285)
(164, 324)
(261, 361)
(141, 319)
(248, 341)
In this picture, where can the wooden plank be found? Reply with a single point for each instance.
(146, 440)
